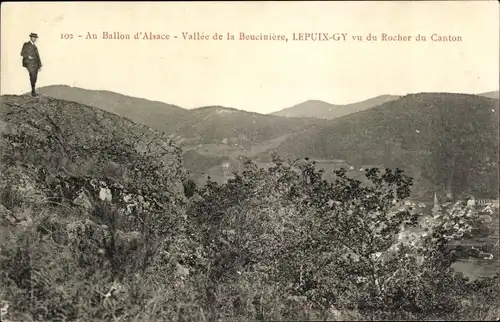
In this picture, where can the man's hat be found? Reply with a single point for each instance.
(33, 35)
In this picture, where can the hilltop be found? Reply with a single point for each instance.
(71, 139)
(75, 122)
(420, 133)
(324, 110)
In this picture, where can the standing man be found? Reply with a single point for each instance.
(31, 61)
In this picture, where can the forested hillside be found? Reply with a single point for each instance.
(449, 139)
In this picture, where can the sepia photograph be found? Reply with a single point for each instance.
(220, 161)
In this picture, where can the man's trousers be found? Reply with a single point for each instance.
(33, 78)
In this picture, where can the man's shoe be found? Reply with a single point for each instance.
(34, 94)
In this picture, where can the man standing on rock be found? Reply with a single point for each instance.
(31, 61)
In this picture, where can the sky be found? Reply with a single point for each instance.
(258, 76)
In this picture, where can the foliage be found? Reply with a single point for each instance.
(336, 244)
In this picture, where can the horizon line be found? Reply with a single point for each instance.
(218, 105)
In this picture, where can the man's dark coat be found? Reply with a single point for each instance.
(29, 49)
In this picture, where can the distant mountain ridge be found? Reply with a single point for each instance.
(207, 124)
(324, 110)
